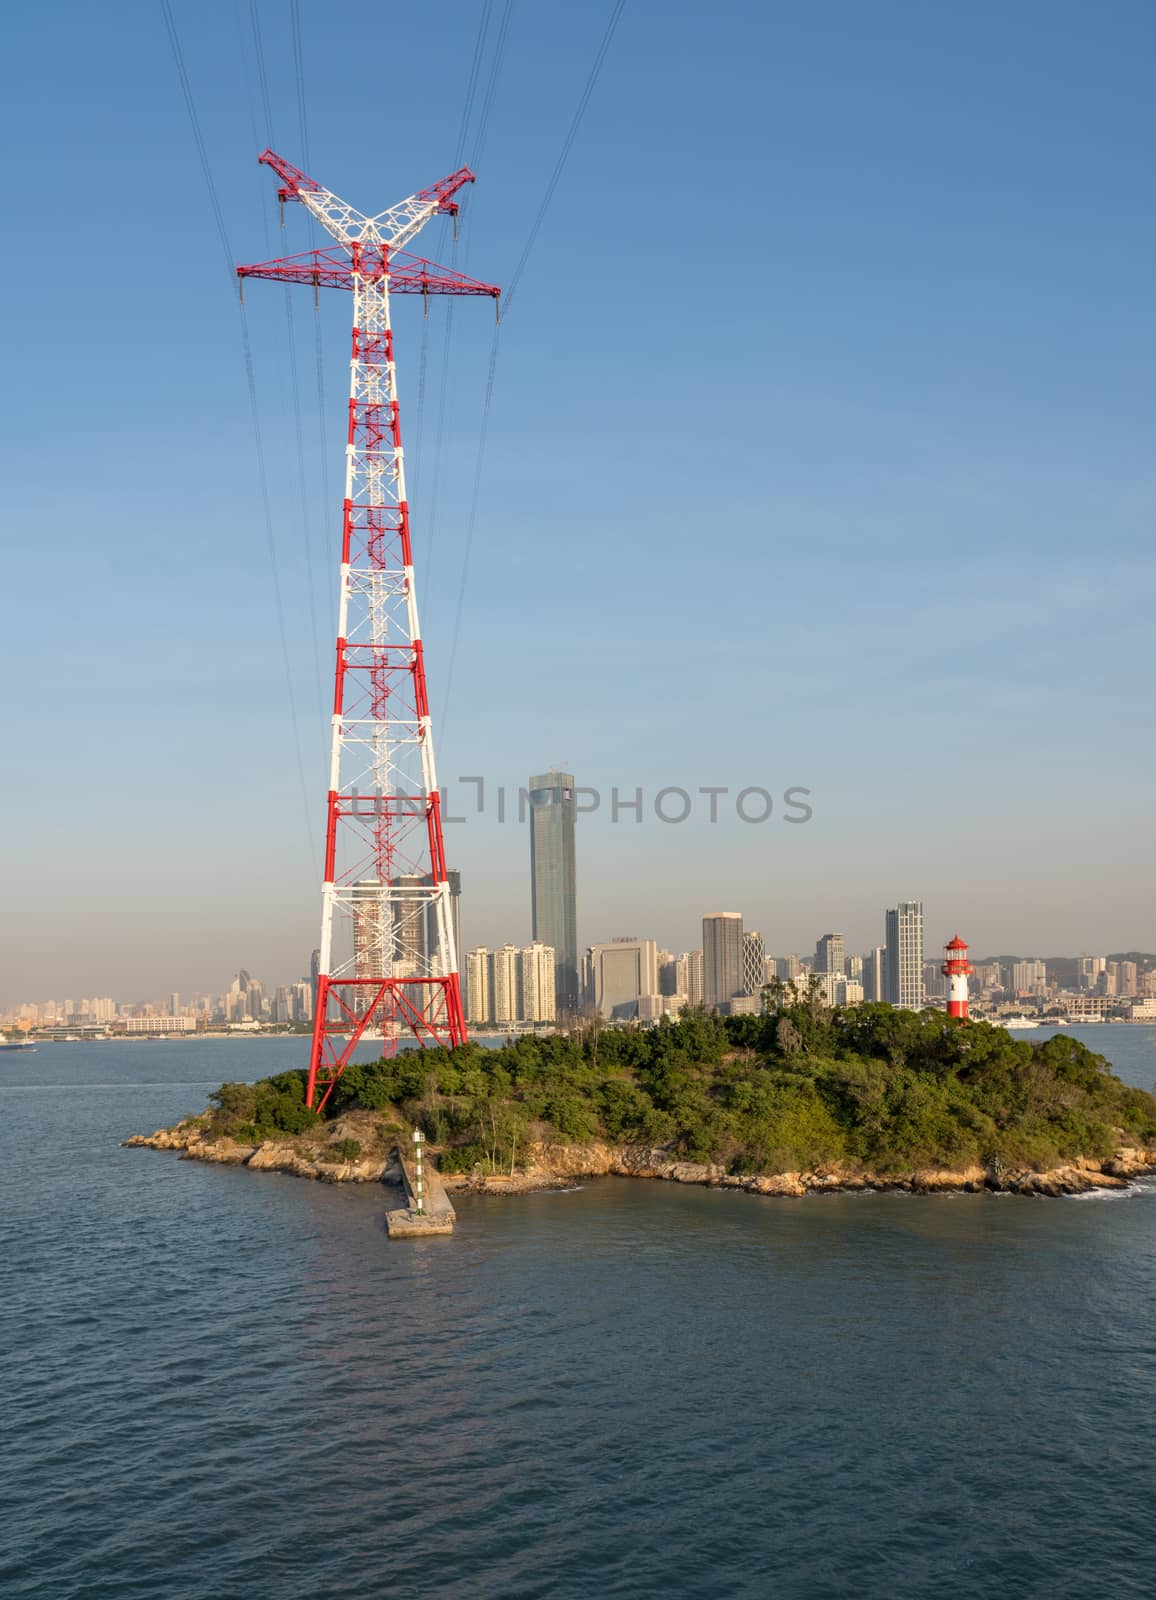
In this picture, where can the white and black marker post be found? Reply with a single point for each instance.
(418, 1181)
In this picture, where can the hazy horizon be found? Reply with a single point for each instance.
(820, 456)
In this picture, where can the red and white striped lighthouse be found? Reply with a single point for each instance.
(955, 969)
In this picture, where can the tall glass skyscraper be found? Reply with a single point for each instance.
(553, 893)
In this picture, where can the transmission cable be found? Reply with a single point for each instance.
(295, 391)
(507, 298)
(247, 355)
(318, 324)
(479, 144)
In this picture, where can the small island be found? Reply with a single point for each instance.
(802, 1099)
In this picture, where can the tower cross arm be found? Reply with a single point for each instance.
(393, 228)
(334, 269)
(402, 222)
(335, 215)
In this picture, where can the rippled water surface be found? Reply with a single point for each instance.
(218, 1384)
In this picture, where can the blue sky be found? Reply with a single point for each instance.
(820, 454)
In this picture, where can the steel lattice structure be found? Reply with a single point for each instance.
(388, 960)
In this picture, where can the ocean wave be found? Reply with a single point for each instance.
(1133, 1192)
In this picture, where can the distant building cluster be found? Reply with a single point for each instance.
(510, 985)
(630, 979)
(627, 979)
(245, 1004)
(1080, 988)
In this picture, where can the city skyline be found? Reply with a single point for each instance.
(944, 446)
(799, 949)
(512, 984)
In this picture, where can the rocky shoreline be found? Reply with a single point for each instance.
(559, 1166)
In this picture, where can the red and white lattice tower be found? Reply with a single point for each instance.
(955, 969)
(388, 961)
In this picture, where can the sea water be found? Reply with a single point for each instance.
(218, 1384)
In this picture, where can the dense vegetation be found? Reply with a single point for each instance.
(800, 1087)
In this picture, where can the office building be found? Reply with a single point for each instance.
(430, 936)
(722, 957)
(621, 972)
(830, 956)
(754, 962)
(904, 955)
(667, 972)
(553, 888)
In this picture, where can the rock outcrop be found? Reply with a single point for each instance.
(552, 1166)
(312, 1155)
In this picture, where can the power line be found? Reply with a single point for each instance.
(507, 297)
(491, 86)
(443, 388)
(247, 357)
(318, 325)
(472, 81)
(294, 386)
(563, 155)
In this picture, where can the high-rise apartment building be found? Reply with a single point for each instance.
(904, 955)
(1029, 978)
(536, 1001)
(369, 952)
(504, 983)
(509, 985)
(688, 976)
(621, 973)
(754, 962)
(722, 957)
(789, 968)
(553, 886)
(1088, 969)
(477, 975)
(1127, 976)
(410, 904)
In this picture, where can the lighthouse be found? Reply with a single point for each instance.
(955, 969)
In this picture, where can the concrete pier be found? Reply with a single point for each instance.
(439, 1216)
